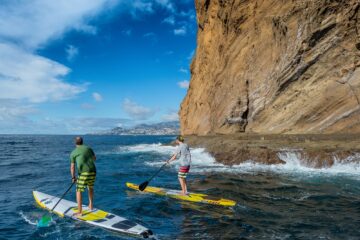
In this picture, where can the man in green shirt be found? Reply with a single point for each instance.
(84, 158)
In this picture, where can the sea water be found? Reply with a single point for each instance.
(288, 201)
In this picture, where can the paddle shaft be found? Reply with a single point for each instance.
(157, 172)
(63, 196)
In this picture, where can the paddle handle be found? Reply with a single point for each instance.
(72, 184)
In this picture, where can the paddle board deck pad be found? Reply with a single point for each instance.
(192, 197)
(94, 217)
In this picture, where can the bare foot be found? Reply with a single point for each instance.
(91, 207)
(78, 214)
(184, 194)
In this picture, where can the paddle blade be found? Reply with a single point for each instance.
(143, 186)
(44, 221)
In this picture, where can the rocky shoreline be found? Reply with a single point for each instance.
(314, 150)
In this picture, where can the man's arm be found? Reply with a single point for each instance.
(92, 152)
(72, 171)
(172, 158)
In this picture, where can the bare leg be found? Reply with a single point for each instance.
(91, 197)
(79, 202)
(183, 185)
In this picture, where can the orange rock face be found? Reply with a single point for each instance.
(274, 66)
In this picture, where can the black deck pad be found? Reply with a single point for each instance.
(125, 225)
(100, 220)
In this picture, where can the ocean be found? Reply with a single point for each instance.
(287, 201)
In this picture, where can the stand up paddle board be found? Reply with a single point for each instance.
(192, 197)
(94, 217)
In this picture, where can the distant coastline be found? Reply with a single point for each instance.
(162, 128)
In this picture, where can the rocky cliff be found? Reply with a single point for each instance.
(275, 66)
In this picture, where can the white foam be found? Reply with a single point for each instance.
(293, 162)
(202, 161)
(26, 218)
(155, 147)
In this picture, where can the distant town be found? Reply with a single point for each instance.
(163, 128)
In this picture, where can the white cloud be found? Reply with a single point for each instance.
(169, 52)
(71, 52)
(14, 116)
(47, 125)
(137, 111)
(34, 78)
(149, 35)
(189, 14)
(32, 23)
(127, 32)
(26, 26)
(169, 20)
(166, 4)
(11, 110)
(180, 31)
(191, 55)
(143, 5)
(87, 106)
(86, 28)
(137, 7)
(91, 125)
(183, 70)
(183, 84)
(27, 78)
(173, 116)
(14, 119)
(97, 97)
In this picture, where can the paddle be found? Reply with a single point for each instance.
(46, 219)
(144, 184)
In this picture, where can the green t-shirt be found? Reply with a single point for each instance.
(84, 158)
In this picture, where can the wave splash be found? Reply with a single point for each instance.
(26, 219)
(295, 162)
(202, 161)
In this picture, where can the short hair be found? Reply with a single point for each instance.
(180, 138)
(78, 141)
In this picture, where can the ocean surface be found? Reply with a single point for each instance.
(274, 202)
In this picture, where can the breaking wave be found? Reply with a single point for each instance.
(202, 161)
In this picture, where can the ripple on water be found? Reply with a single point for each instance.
(273, 202)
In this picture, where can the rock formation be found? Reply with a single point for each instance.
(275, 66)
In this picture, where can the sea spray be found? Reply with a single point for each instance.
(294, 161)
(27, 219)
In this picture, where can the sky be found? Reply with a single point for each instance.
(79, 66)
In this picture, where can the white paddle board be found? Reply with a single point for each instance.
(95, 217)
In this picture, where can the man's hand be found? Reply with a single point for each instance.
(72, 172)
(171, 159)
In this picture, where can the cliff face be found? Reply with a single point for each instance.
(275, 66)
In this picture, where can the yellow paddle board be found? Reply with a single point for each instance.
(192, 197)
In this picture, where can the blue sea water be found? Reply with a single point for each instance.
(274, 202)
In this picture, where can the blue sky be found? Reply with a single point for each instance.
(83, 66)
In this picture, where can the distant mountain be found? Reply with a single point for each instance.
(163, 128)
